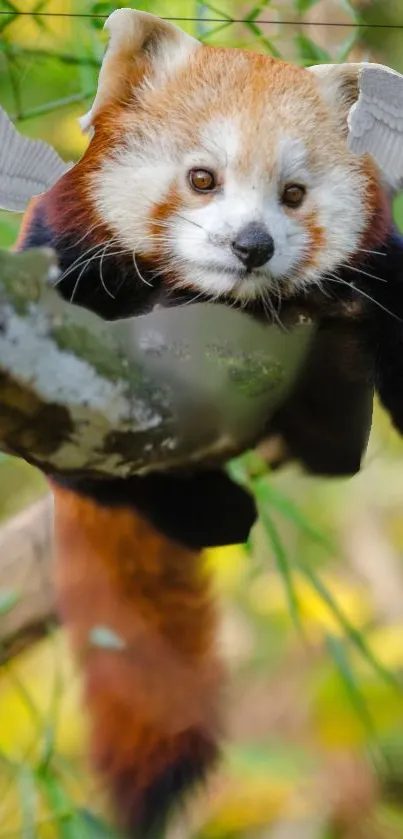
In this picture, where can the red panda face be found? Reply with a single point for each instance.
(232, 175)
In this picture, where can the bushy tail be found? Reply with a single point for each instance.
(142, 625)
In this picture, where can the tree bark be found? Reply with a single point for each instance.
(26, 549)
(176, 387)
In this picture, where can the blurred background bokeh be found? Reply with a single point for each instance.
(312, 607)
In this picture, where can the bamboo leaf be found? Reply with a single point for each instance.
(352, 633)
(284, 568)
(255, 12)
(63, 812)
(220, 14)
(348, 45)
(93, 828)
(346, 673)
(211, 32)
(312, 53)
(29, 802)
(268, 44)
(303, 6)
(266, 493)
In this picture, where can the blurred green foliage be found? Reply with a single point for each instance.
(315, 648)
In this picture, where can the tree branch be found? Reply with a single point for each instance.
(80, 395)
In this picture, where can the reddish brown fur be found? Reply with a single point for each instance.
(27, 221)
(317, 241)
(263, 80)
(154, 701)
(159, 216)
(210, 81)
(68, 204)
(379, 209)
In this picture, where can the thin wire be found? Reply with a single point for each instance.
(353, 23)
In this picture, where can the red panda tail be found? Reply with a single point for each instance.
(139, 612)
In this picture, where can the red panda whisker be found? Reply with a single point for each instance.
(321, 286)
(159, 222)
(84, 268)
(277, 293)
(164, 237)
(195, 298)
(164, 225)
(84, 265)
(269, 308)
(90, 230)
(374, 253)
(138, 272)
(78, 262)
(170, 237)
(77, 283)
(363, 293)
(366, 274)
(103, 283)
(190, 221)
(170, 228)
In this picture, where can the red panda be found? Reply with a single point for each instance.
(220, 174)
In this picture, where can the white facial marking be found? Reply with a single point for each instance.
(195, 241)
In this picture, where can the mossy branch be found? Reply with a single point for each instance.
(78, 394)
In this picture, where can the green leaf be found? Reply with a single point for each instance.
(211, 32)
(88, 73)
(303, 6)
(220, 14)
(94, 828)
(340, 658)
(29, 802)
(8, 600)
(250, 24)
(352, 633)
(103, 10)
(350, 7)
(255, 12)
(48, 743)
(311, 53)
(284, 568)
(62, 810)
(344, 51)
(267, 494)
(238, 472)
(103, 636)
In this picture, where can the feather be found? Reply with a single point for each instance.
(376, 120)
(27, 167)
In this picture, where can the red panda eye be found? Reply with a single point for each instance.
(293, 195)
(202, 180)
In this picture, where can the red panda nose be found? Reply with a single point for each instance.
(253, 246)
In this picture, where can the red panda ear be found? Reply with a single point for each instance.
(141, 46)
(339, 87)
(368, 100)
